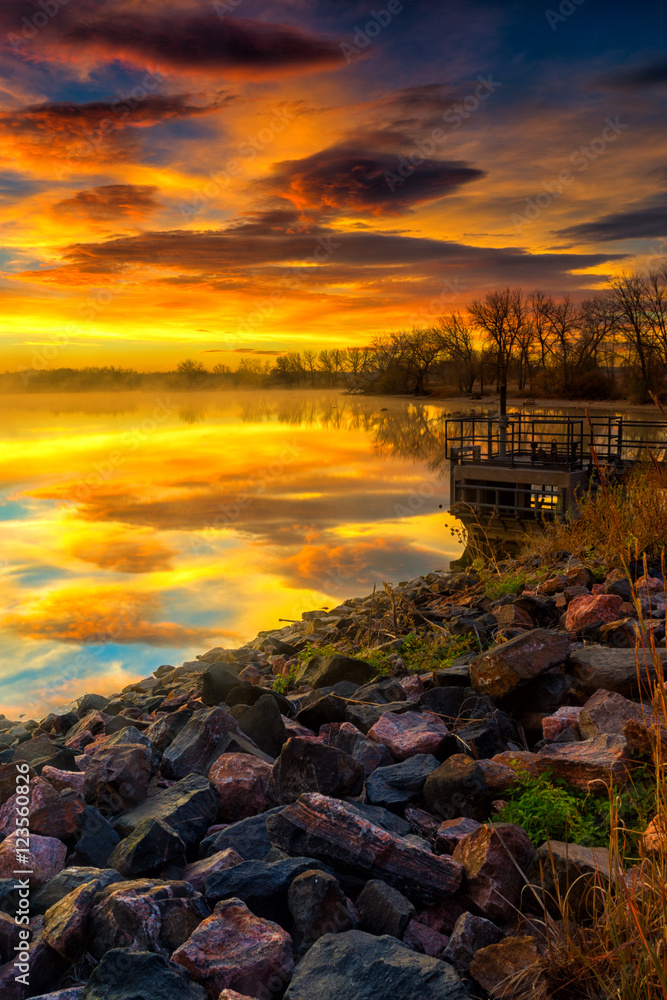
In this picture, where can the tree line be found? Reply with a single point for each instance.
(611, 345)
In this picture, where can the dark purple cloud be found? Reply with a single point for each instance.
(642, 221)
(111, 201)
(183, 37)
(350, 178)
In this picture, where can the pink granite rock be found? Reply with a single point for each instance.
(592, 610)
(241, 781)
(412, 686)
(608, 712)
(497, 965)
(197, 873)
(519, 760)
(45, 858)
(233, 995)
(501, 670)
(50, 813)
(590, 764)
(425, 940)
(66, 922)
(117, 777)
(566, 716)
(499, 777)
(410, 733)
(234, 949)
(493, 882)
(64, 779)
(321, 827)
(451, 832)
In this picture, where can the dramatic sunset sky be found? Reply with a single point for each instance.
(181, 176)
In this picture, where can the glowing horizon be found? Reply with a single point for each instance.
(210, 177)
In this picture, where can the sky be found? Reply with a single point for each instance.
(183, 178)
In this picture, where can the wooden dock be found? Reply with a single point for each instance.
(517, 468)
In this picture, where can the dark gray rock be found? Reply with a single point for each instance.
(444, 701)
(139, 975)
(318, 906)
(248, 837)
(96, 841)
(458, 788)
(400, 783)
(197, 745)
(322, 711)
(384, 910)
(381, 692)
(469, 935)
(165, 730)
(322, 671)
(263, 723)
(380, 816)
(359, 966)
(305, 766)
(190, 806)
(67, 881)
(261, 885)
(217, 682)
(149, 849)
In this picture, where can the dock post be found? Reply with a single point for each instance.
(502, 421)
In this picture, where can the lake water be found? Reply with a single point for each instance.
(141, 529)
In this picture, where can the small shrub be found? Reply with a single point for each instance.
(549, 810)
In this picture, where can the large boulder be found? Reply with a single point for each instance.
(139, 975)
(189, 806)
(305, 766)
(197, 745)
(458, 788)
(412, 733)
(580, 873)
(324, 828)
(325, 671)
(595, 667)
(360, 966)
(590, 765)
(591, 610)
(241, 781)
(117, 777)
(234, 949)
(505, 668)
(493, 858)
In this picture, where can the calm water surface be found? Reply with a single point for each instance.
(143, 528)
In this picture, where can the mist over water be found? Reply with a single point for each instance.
(144, 528)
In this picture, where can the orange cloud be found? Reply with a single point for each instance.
(105, 614)
(122, 554)
(110, 202)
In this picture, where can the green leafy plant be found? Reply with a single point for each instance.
(549, 810)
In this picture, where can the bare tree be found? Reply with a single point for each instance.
(457, 346)
(501, 316)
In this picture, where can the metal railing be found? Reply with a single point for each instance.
(518, 501)
(552, 442)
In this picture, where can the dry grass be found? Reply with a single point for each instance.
(622, 954)
(615, 523)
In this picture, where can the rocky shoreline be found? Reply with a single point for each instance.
(319, 813)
